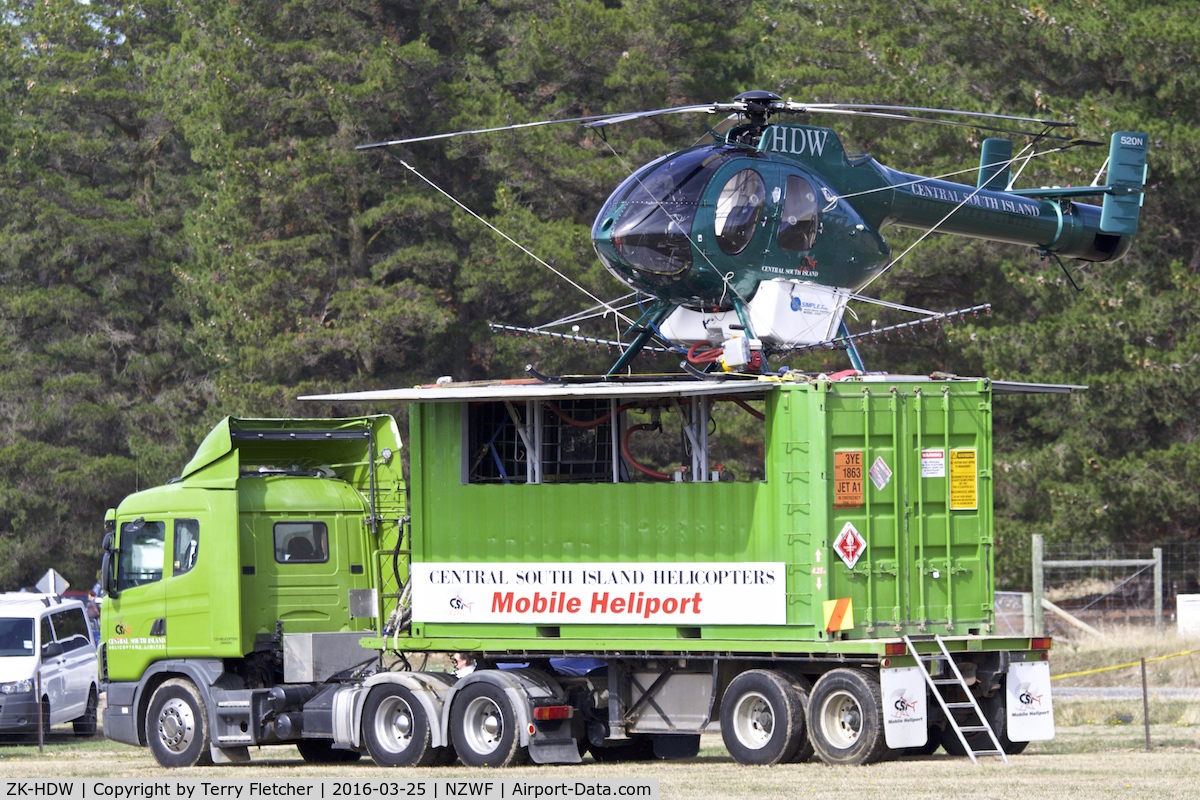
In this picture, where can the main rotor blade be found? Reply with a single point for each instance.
(950, 122)
(708, 108)
(792, 106)
(517, 126)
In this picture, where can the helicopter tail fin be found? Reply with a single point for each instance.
(1126, 170)
(994, 160)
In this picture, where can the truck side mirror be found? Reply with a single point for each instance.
(52, 650)
(106, 574)
(106, 542)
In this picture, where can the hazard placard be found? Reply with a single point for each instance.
(849, 545)
(839, 615)
(848, 479)
(964, 490)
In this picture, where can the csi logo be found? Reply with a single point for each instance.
(458, 604)
(1027, 698)
(902, 705)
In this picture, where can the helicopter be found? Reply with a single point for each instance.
(752, 243)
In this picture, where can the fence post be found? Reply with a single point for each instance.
(1027, 613)
(1158, 588)
(1039, 616)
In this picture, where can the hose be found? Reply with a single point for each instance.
(651, 473)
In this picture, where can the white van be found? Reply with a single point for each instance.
(44, 635)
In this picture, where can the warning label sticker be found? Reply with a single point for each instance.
(848, 479)
(933, 463)
(964, 492)
(880, 474)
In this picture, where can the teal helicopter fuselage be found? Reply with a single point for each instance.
(703, 227)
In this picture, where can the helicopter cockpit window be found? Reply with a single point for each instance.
(798, 222)
(650, 218)
(738, 209)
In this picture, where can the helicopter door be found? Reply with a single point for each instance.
(732, 225)
(797, 231)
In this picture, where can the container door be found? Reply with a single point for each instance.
(866, 536)
(950, 525)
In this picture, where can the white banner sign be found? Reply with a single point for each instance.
(905, 710)
(745, 593)
(1030, 711)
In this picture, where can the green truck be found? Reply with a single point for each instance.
(618, 587)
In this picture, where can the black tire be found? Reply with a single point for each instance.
(845, 718)
(933, 740)
(396, 728)
(483, 727)
(638, 748)
(86, 724)
(995, 708)
(950, 742)
(322, 751)
(177, 725)
(445, 756)
(996, 713)
(762, 718)
(805, 751)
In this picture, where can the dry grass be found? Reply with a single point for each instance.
(1086, 760)
(1126, 644)
(1100, 750)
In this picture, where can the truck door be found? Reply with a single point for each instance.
(138, 633)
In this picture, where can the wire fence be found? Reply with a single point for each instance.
(1111, 594)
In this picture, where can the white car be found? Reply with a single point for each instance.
(43, 636)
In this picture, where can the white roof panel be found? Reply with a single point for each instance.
(536, 390)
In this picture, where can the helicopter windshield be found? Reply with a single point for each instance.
(650, 219)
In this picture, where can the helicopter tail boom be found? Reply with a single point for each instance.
(1048, 219)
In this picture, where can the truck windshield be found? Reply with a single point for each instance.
(142, 549)
(16, 637)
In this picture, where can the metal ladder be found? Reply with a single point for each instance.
(948, 708)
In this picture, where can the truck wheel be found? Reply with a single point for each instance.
(395, 728)
(762, 718)
(996, 710)
(845, 718)
(322, 751)
(86, 725)
(483, 726)
(805, 751)
(177, 725)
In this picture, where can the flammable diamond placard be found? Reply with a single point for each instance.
(849, 545)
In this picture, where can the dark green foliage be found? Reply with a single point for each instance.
(188, 232)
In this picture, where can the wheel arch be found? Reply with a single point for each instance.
(203, 673)
(433, 691)
(522, 687)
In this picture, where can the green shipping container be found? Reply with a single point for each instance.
(871, 519)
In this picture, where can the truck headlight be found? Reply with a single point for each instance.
(16, 687)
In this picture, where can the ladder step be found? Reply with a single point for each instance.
(972, 728)
(947, 681)
(960, 705)
(987, 752)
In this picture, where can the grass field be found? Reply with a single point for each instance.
(1091, 757)
(1099, 751)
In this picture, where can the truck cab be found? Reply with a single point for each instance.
(271, 535)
